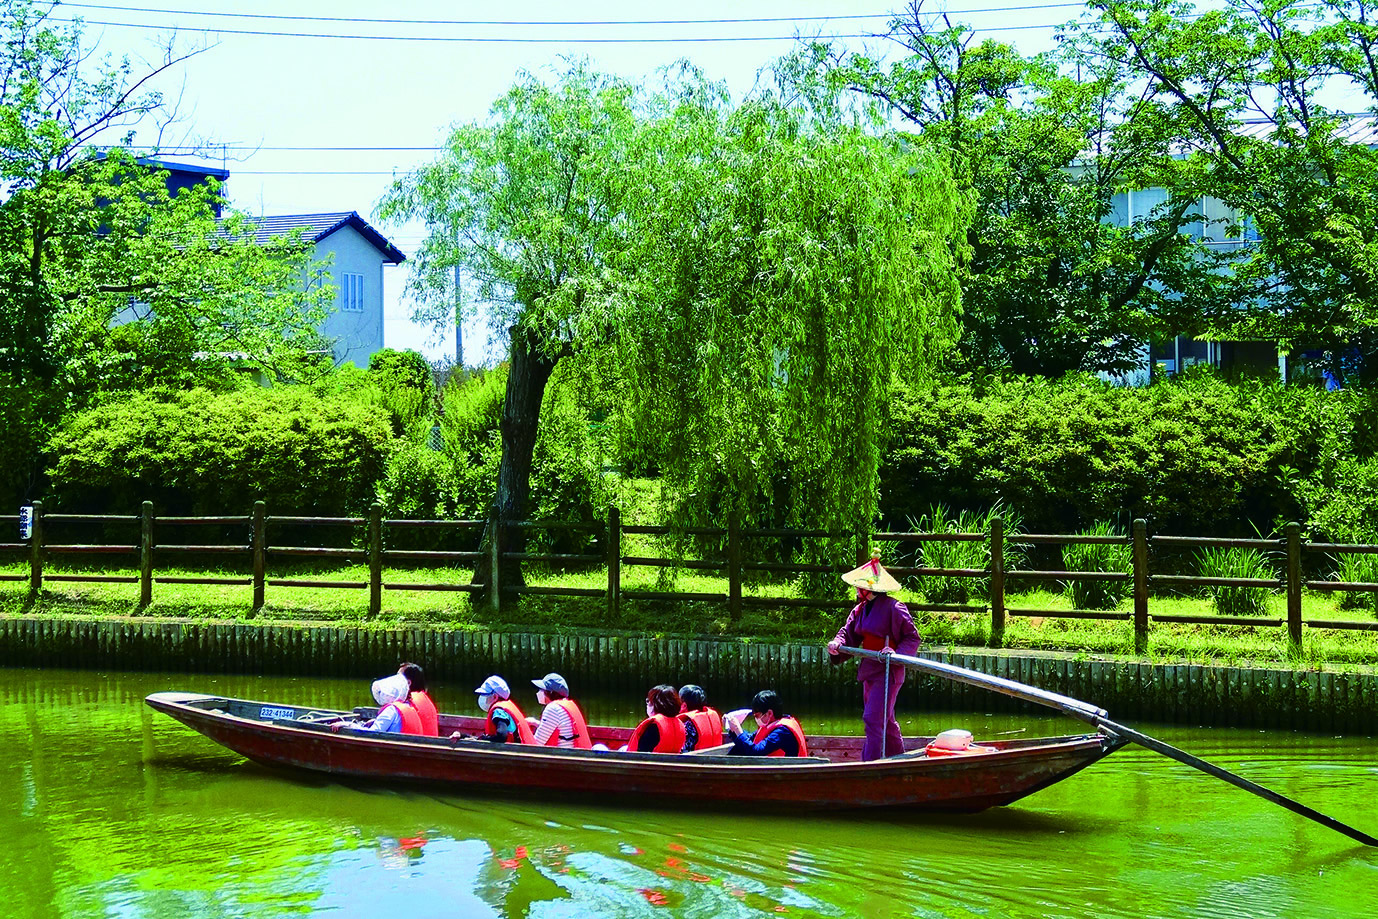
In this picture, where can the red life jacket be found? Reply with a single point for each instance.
(524, 734)
(581, 728)
(671, 734)
(709, 725)
(425, 709)
(411, 721)
(787, 722)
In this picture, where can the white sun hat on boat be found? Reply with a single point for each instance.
(392, 688)
(872, 576)
(494, 686)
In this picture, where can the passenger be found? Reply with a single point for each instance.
(662, 731)
(420, 699)
(776, 734)
(562, 723)
(395, 714)
(506, 723)
(878, 623)
(702, 725)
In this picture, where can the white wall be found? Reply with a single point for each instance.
(356, 335)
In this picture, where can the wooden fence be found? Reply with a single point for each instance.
(733, 565)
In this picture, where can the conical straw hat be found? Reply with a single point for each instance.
(872, 576)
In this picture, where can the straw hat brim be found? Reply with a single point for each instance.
(867, 578)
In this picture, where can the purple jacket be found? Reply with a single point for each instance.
(887, 617)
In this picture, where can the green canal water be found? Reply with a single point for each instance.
(109, 810)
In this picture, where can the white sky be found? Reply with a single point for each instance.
(255, 93)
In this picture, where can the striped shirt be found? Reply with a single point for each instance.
(555, 720)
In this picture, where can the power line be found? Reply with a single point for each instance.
(554, 22)
(512, 40)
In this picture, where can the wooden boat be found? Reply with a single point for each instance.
(831, 777)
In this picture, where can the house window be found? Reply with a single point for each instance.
(352, 293)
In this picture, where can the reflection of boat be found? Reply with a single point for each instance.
(284, 735)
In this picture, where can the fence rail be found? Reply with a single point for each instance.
(490, 557)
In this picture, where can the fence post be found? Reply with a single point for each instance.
(734, 566)
(375, 560)
(1294, 584)
(1140, 586)
(997, 582)
(259, 549)
(614, 562)
(495, 574)
(146, 555)
(36, 552)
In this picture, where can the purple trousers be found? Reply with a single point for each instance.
(878, 715)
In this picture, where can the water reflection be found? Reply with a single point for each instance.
(116, 812)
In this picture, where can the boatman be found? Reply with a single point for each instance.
(777, 734)
(880, 623)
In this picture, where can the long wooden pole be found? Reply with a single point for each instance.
(1097, 716)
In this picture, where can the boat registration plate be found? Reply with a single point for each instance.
(270, 712)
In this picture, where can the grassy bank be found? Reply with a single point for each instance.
(1192, 643)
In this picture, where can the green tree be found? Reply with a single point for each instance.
(1041, 146)
(722, 267)
(86, 235)
(1253, 82)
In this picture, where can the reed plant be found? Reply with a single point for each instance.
(1357, 569)
(1236, 563)
(960, 554)
(1097, 557)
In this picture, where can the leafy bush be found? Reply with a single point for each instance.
(1097, 557)
(1236, 563)
(1185, 455)
(200, 452)
(406, 388)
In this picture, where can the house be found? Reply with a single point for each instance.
(357, 255)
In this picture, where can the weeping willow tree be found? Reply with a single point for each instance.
(750, 280)
(784, 274)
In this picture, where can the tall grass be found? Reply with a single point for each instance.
(1357, 569)
(953, 589)
(1097, 557)
(1236, 563)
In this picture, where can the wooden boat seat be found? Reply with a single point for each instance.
(719, 750)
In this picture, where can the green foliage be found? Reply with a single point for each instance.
(1197, 456)
(201, 452)
(1236, 563)
(408, 369)
(26, 418)
(87, 237)
(949, 588)
(1357, 569)
(1097, 557)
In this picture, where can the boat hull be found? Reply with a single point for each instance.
(279, 735)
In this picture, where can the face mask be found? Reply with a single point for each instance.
(485, 701)
(541, 697)
(650, 710)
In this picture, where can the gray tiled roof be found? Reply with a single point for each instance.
(315, 227)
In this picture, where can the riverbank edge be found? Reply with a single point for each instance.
(1315, 700)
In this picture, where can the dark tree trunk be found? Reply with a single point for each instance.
(529, 370)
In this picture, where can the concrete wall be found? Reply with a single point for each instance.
(1308, 700)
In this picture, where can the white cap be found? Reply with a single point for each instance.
(496, 686)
